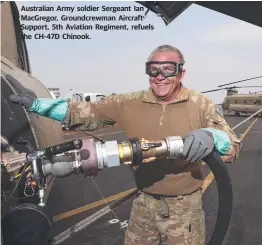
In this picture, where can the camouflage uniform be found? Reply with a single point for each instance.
(185, 225)
(141, 115)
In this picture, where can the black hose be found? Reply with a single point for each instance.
(225, 194)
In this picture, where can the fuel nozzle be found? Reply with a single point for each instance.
(135, 151)
(96, 155)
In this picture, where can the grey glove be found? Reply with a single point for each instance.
(25, 97)
(197, 145)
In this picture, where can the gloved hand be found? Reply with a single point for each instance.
(24, 97)
(25, 100)
(197, 145)
(48, 107)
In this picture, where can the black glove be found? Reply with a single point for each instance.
(197, 145)
(24, 97)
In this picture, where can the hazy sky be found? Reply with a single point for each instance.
(218, 49)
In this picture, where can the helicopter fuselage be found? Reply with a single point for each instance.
(243, 103)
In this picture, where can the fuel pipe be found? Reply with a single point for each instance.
(88, 157)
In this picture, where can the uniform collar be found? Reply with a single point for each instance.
(183, 95)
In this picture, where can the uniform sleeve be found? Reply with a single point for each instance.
(214, 119)
(94, 115)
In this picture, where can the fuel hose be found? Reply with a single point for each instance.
(224, 186)
(225, 194)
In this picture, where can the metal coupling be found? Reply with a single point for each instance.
(175, 146)
(108, 155)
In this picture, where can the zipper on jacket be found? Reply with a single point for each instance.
(162, 115)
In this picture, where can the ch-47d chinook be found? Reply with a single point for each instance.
(235, 103)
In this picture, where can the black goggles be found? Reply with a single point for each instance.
(165, 68)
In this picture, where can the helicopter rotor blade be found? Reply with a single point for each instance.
(247, 87)
(240, 81)
(227, 88)
(256, 92)
(213, 90)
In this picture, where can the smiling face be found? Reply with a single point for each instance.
(165, 88)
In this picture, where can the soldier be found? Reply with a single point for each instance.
(168, 207)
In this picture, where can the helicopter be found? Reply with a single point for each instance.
(235, 103)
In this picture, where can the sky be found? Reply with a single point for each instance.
(218, 49)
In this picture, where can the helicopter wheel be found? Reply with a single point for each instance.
(25, 224)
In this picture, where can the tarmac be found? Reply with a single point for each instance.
(77, 204)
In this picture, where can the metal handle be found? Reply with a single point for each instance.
(61, 148)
